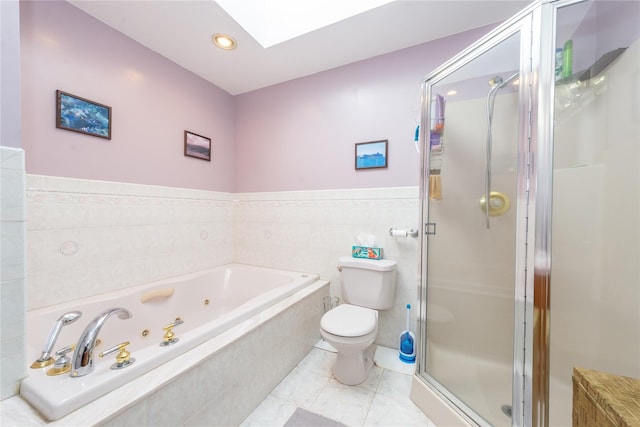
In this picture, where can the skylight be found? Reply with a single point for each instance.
(274, 21)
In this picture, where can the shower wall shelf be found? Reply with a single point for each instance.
(597, 68)
(436, 128)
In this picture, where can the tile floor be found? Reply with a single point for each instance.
(382, 400)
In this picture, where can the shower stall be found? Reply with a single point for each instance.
(530, 255)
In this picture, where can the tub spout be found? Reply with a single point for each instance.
(83, 356)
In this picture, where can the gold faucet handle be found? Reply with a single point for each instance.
(169, 337)
(123, 358)
(123, 355)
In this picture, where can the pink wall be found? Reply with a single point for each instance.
(153, 102)
(297, 135)
(301, 134)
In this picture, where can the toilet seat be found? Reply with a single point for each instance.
(348, 320)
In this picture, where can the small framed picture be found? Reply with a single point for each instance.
(81, 115)
(371, 155)
(197, 146)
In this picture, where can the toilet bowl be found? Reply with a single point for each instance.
(367, 286)
(351, 330)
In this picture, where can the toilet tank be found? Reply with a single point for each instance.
(368, 282)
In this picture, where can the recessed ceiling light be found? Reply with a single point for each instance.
(224, 41)
(452, 92)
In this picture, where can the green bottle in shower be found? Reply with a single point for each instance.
(567, 59)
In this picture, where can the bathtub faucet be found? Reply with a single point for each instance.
(83, 356)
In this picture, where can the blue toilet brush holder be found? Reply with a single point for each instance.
(407, 343)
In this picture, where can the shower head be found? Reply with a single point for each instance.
(496, 81)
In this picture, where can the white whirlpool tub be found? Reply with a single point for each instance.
(210, 304)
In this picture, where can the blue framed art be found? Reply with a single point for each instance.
(372, 154)
(81, 115)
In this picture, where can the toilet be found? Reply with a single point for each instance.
(351, 328)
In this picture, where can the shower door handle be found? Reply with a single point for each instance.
(430, 228)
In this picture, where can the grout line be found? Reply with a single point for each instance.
(375, 392)
(319, 393)
(327, 379)
(366, 417)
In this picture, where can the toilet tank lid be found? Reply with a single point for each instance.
(368, 264)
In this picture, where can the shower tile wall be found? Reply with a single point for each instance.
(12, 268)
(310, 230)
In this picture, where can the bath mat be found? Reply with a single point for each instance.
(304, 418)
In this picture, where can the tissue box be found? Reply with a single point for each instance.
(366, 252)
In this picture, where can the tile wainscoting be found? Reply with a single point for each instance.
(12, 268)
(87, 237)
(310, 230)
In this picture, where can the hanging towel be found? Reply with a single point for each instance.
(435, 187)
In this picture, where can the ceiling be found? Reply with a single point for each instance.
(181, 31)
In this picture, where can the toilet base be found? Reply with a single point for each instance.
(352, 367)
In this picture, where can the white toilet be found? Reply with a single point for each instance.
(367, 286)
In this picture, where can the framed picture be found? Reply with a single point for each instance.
(197, 146)
(81, 115)
(370, 155)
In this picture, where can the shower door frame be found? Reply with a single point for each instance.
(529, 397)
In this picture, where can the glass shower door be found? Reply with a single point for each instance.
(469, 260)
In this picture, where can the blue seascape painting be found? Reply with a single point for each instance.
(83, 116)
(375, 160)
(371, 155)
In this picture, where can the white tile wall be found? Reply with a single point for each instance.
(89, 237)
(310, 230)
(12, 270)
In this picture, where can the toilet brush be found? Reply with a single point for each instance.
(407, 341)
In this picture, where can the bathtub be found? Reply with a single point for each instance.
(208, 303)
